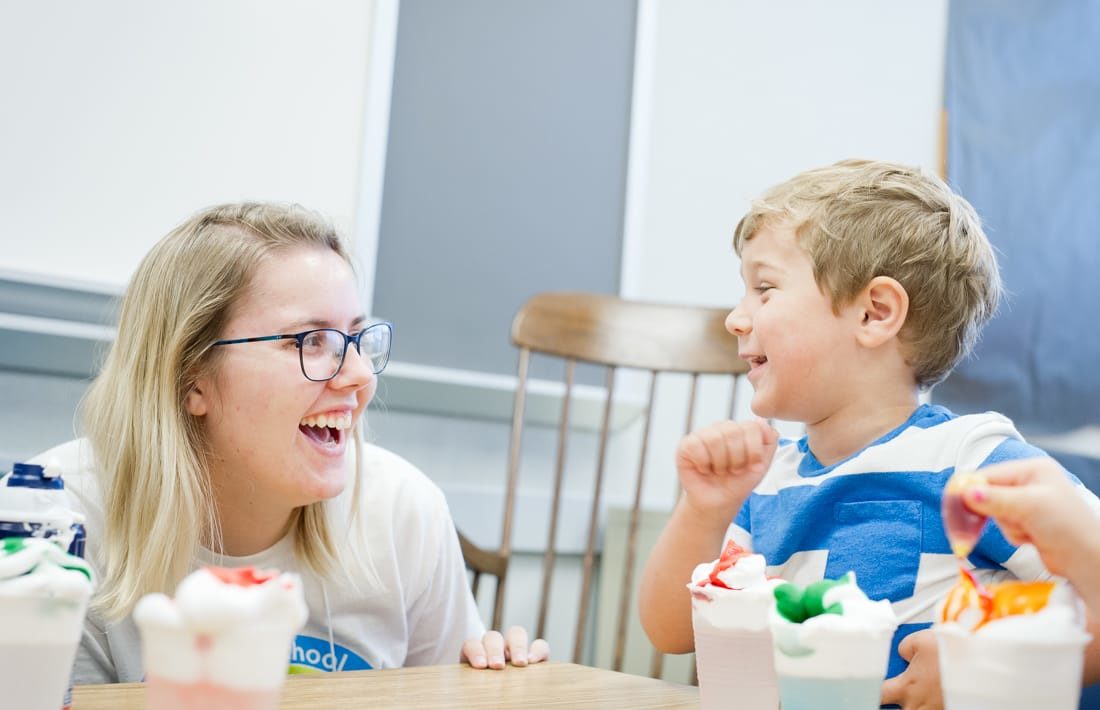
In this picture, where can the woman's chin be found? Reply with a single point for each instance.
(320, 481)
(330, 486)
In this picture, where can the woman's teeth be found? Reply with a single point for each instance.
(331, 421)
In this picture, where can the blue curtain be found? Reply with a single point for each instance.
(1023, 102)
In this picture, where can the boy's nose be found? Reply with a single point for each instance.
(738, 323)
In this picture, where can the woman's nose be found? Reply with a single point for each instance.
(356, 370)
(738, 323)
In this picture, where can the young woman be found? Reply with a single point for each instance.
(224, 429)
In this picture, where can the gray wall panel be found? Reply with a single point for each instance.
(506, 168)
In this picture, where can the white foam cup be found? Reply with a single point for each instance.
(831, 668)
(980, 672)
(218, 646)
(735, 667)
(39, 636)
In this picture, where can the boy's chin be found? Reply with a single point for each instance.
(764, 409)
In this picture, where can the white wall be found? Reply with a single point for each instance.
(121, 118)
(746, 94)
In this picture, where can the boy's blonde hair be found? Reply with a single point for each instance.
(860, 219)
(150, 452)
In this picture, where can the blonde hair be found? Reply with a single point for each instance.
(150, 452)
(860, 219)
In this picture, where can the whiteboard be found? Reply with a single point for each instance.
(121, 119)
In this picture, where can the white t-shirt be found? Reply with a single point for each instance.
(422, 617)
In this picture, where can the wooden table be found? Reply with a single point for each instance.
(544, 685)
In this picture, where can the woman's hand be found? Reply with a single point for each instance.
(1033, 501)
(494, 650)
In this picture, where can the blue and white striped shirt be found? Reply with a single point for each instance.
(877, 513)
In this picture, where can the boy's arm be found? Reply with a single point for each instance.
(664, 603)
(718, 466)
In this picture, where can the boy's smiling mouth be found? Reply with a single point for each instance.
(756, 363)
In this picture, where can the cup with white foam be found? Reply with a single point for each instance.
(1016, 661)
(223, 642)
(832, 646)
(730, 603)
(44, 594)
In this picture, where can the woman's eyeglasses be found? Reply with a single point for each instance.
(321, 351)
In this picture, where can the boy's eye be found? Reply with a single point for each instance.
(763, 288)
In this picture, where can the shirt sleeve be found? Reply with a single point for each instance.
(443, 615)
(93, 664)
(740, 530)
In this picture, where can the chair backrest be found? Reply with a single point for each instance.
(615, 333)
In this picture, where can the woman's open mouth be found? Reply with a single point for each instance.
(328, 431)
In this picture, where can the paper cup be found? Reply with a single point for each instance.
(735, 667)
(240, 669)
(836, 669)
(979, 673)
(165, 694)
(38, 641)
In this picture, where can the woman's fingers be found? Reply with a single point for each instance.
(538, 652)
(494, 649)
(516, 647)
(473, 651)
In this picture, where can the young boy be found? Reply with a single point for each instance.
(865, 283)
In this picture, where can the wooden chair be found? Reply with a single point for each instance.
(615, 333)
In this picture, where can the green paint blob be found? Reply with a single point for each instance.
(788, 602)
(12, 545)
(796, 605)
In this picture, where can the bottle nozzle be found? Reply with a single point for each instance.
(52, 469)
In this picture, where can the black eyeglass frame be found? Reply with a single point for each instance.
(348, 340)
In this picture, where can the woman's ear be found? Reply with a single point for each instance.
(195, 401)
(884, 303)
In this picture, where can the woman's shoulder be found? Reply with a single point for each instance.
(390, 477)
(75, 461)
(402, 509)
(71, 454)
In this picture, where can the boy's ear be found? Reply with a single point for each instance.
(884, 305)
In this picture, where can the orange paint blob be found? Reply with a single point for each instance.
(972, 604)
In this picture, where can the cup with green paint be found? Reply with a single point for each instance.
(831, 645)
(44, 594)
